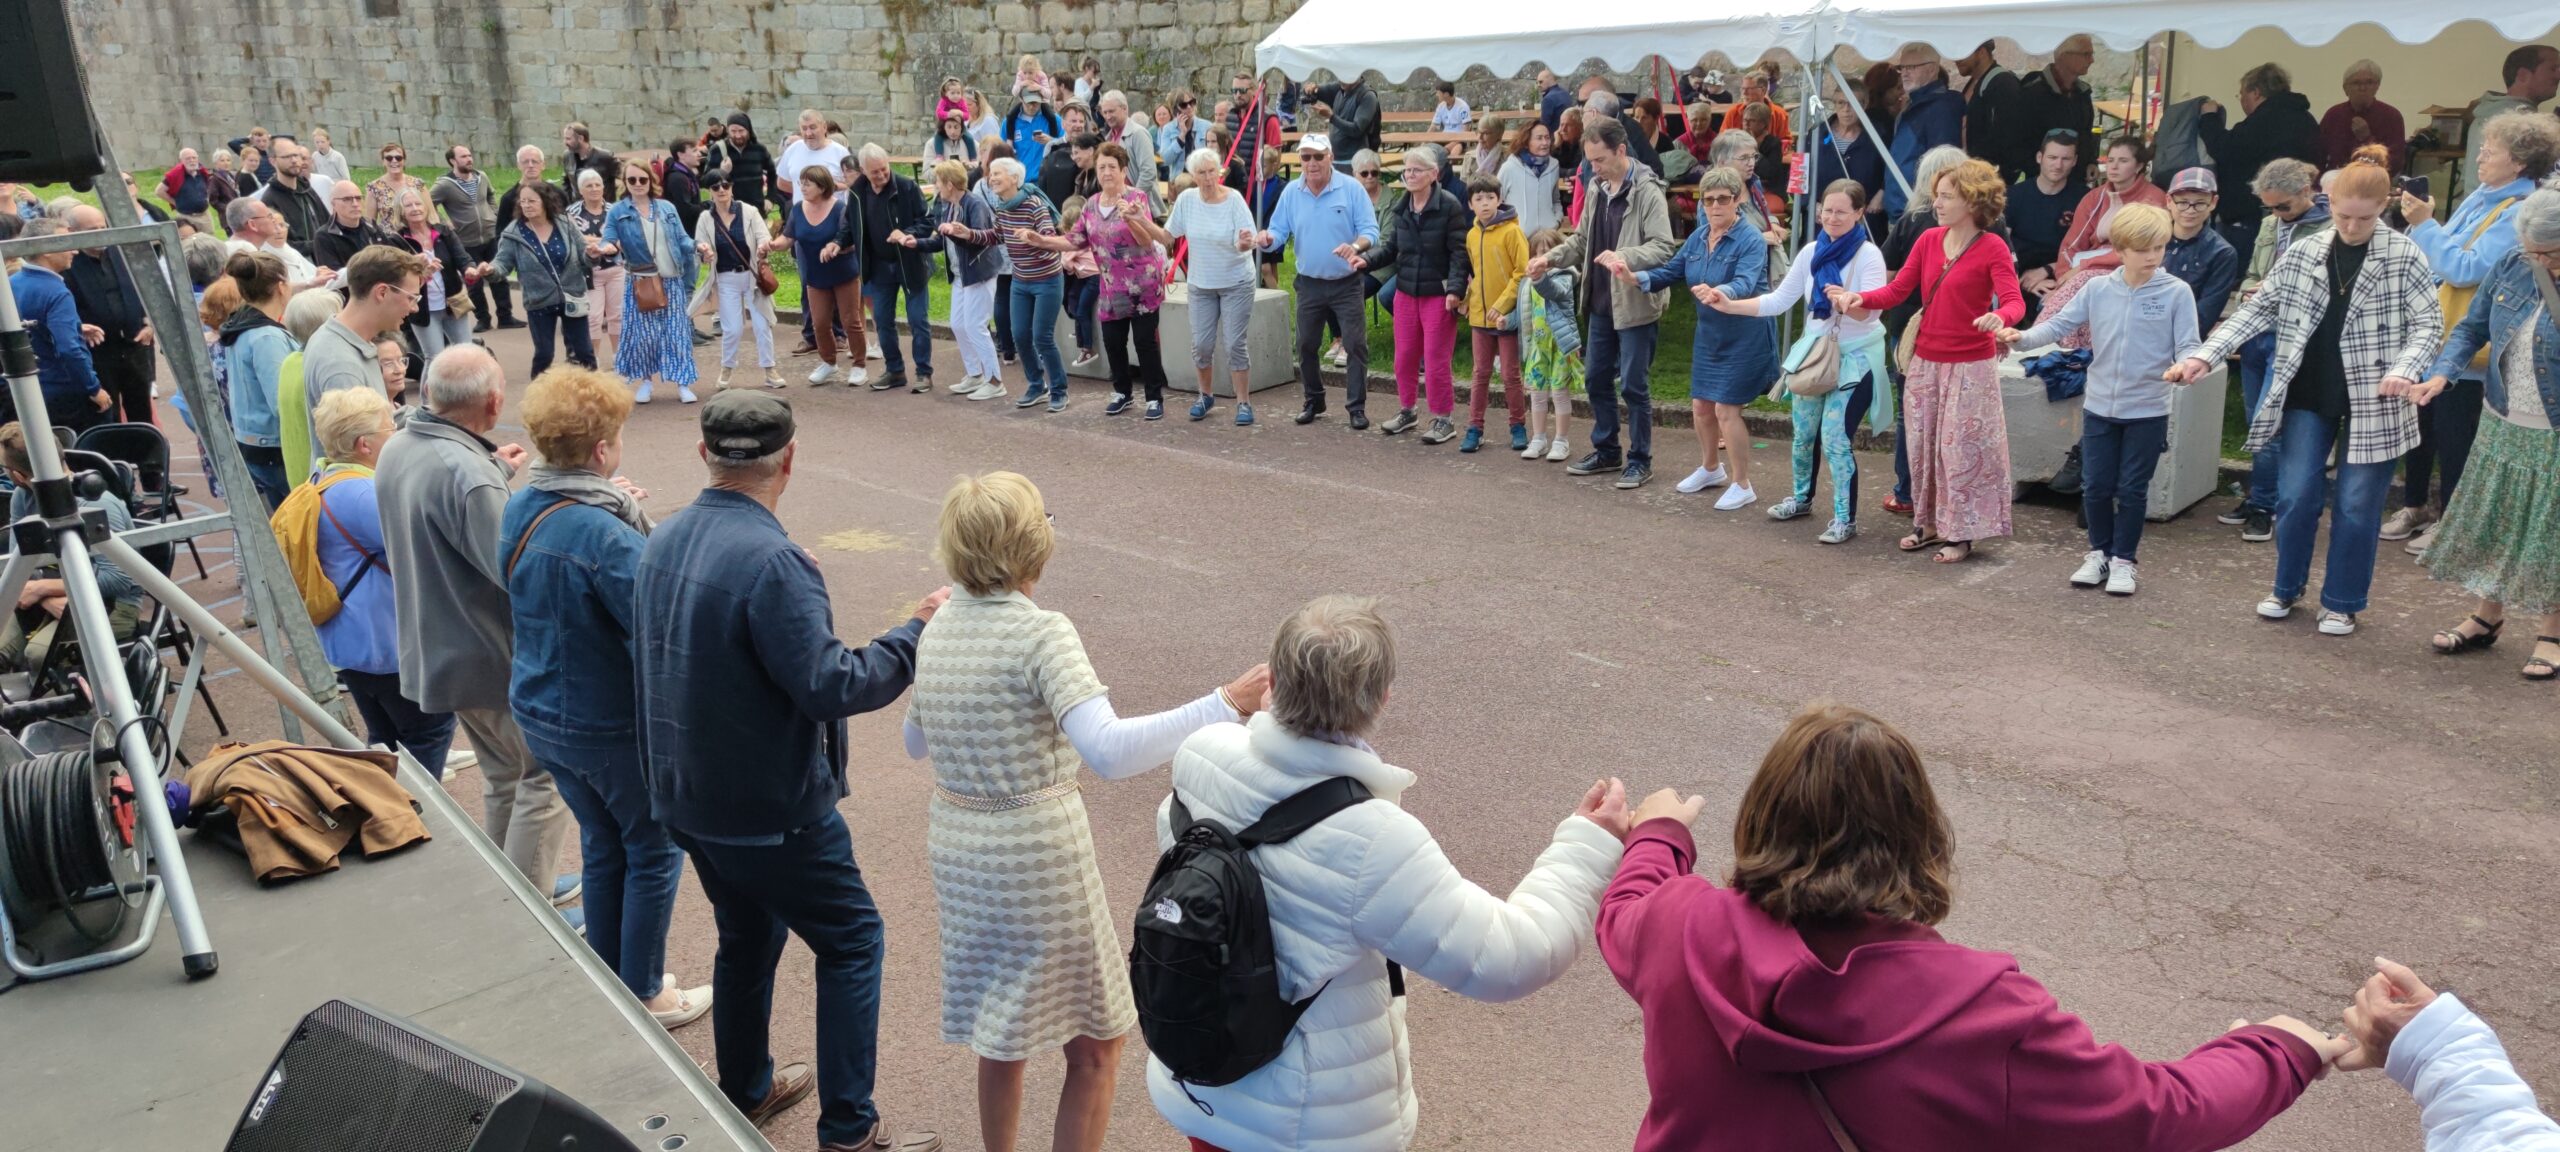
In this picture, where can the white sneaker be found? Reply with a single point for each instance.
(1559, 450)
(1337, 358)
(723, 385)
(686, 395)
(773, 379)
(824, 373)
(2417, 545)
(856, 377)
(2337, 623)
(1537, 448)
(968, 384)
(2275, 608)
(1700, 481)
(1084, 358)
(870, 346)
(988, 390)
(640, 395)
(2092, 571)
(1738, 496)
(2119, 577)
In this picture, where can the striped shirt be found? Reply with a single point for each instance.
(1030, 262)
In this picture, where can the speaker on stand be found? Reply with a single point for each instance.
(47, 132)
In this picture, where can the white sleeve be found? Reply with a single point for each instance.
(1866, 272)
(914, 737)
(1777, 300)
(1415, 907)
(1116, 749)
(2469, 1096)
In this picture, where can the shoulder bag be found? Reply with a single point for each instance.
(766, 282)
(2455, 300)
(536, 526)
(648, 289)
(1902, 348)
(1812, 367)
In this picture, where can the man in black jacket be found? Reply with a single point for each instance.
(1353, 109)
(2276, 123)
(291, 197)
(578, 151)
(347, 231)
(103, 291)
(1994, 115)
(893, 214)
(2057, 97)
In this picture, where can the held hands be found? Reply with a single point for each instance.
(1359, 263)
(2409, 389)
(2186, 371)
(830, 252)
(1615, 264)
(953, 228)
(1668, 804)
(1456, 303)
(1606, 805)
(1989, 322)
(1709, 295)
(2008, 337)
(1249, 693)
(2433, 387)
(1845, 300)
(1537, 265)
(2329, 1048)
(1347, 254)
(1244, 239)
(2390, 998)
(933, 602)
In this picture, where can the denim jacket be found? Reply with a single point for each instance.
(1725, 348)
(2497, 317)
(624, 230)
(571, 590)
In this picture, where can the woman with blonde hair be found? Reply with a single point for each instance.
(1008, 708)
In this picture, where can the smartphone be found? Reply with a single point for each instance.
(2416, 186)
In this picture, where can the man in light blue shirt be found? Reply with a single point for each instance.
(1332, 221)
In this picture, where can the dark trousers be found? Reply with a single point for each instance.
(882, 293)
(628, 866)
(1004, 316)
(1338, 301)
(1117, 335)
(2117, 458)
(571, 329)
(486, 287)
(1618, 365)
(125, 370)
(1083, 294)
(393, 722)
(266, 470)
(807, 885)
(2446, 427)
(1862, 395)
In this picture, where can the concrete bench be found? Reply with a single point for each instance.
(1270, 340)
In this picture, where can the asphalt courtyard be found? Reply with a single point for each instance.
(2172, 813)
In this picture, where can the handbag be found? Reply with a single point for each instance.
(648, 291)
(1812, 367)
(766, 282)
(572, 304)
(1902, 348)
(2455, 300)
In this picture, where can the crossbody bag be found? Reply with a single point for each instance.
(571, 303)
(766, 282)
(529, 530)
(1911, 332)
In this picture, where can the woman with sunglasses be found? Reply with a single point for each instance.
(382, 197)
(649, 233)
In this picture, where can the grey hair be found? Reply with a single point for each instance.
(345, 416)
(1601, 104)
(2363, 68)
(1723, 179)
(2538, 218)
(43, 226)
(869, 153)
(2285, 176)
(1368, 156)
(1202, 162)
(586, 174)
(205, 258)
(754, 473)
(237, 214)
(307, 311)
(61, 207)
(1006, 165)
(535, 149)
(1114, 96)
(1426, 155)
(463, 378)
(226, 154)
(1934, 163)
(1729, 144)
(2532, 139)
(1331, 666)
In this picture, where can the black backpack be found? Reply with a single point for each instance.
(1202, 966)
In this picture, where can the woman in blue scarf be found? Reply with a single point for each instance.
(1529, 179)
(1841, 254)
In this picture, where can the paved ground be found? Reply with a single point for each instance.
(2172, 813)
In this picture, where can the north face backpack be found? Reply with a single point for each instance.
(1202, 966)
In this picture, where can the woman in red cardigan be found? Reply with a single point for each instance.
(1968, 286)
(1809, 1004)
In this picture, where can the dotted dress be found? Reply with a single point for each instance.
(1030, 959)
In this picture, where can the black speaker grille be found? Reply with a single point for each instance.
(352, 1081)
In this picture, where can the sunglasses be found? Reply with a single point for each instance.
(635, 181)
(2063, 135)
(395, 159)
(1718, 198)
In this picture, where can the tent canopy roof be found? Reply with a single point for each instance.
(1349, 37)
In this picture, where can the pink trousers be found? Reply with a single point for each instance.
(1426, 341)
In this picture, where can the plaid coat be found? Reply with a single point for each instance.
(2393, 328)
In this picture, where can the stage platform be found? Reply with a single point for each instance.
(136, 1057)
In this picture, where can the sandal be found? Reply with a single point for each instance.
(2454, 641)
(2542, 668)
(1919, 541)
(1955, 552)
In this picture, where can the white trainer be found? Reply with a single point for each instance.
(2337, 623)
(1738, 496)
(988, 390)
(2120, 577)
(1559, 450)
(2092, 571)
(856, 377)
(1537, 448)
(1700, 481)
(968, 383)
(824, 373)
(2274, 608)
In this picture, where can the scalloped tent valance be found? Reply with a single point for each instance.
(1348, 37)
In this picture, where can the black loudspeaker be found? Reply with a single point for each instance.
(47, 131)
(353, 1079)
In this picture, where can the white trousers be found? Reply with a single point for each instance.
(739, 300)
(973, 307)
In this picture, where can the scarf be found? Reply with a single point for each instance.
(1831, 258)
(588, 488)
(1025, 192)
(1536, 164)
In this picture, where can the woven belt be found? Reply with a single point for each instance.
(1063, 788)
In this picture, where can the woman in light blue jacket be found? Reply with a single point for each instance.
(254, 345)
(650, 235)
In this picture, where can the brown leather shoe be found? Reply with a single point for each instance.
(791, 1085)
(883, 1140)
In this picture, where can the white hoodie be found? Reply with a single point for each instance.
(2469, 1096)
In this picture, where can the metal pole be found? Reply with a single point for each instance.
(211, 630)
(55, 502)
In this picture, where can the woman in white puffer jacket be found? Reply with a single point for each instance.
(1367, 886)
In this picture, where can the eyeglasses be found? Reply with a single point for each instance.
(1366, 173)
(2062, 135)
(2191, 204)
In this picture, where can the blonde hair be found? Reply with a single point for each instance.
(2139, 228)
(1330, 667)
(308, 311)
(951, 174)
(994, 534)
(568, 411)
(346, 416)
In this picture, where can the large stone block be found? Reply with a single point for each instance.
(1270, 342)
(1013, 18)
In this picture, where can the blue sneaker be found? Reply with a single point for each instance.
(1519, 438)
(1155, 409)
(1200, 407)
(1030, 399)
(1244, 414)
(566, 888)
(1474, 440)
(577, 918)
(1058, 402)
(1119, 404)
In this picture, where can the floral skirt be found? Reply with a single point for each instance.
(2500, 538)
(656, 343)
(1959, 449)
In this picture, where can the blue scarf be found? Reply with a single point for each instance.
(1831, 258)
(1536, 164)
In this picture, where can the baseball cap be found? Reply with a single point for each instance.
(746, 425)
(1033, 96)
(2194, 180)
(1316, 142)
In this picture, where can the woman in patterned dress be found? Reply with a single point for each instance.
(1008, 708)
(650, 235)
(1121, 233)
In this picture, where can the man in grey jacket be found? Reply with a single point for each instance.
(443, 491)
(468, 198)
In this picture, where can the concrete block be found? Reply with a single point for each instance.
(1270, 343)
(1013, 18)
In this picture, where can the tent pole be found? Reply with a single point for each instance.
(1831, 61)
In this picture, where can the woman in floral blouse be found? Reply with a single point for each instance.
(1123, 237)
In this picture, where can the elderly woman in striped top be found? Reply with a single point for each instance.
(1039, 279)
(1008, 708)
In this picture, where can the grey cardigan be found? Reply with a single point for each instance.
(518, 256)
(443, 495)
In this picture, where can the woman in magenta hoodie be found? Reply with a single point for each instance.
(1809, 1004)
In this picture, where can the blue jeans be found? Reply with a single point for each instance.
(882, 295)
(630, 865)
(572, 330)
(1035, 333)
(393, 722)
(807, 885)
(2257, 358)
(1626, 357)
(1084, 294)
(2355, 524)
(2117, 458)
(266, 471)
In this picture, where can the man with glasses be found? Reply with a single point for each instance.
(2289, 190)
(291, 196)
(2198, 254)
(2040, 211)
(1332, 221)
(383, 285)
(2057, 97)
(347, 231)
(1932, 116)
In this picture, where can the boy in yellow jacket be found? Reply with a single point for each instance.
(1498, 253)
